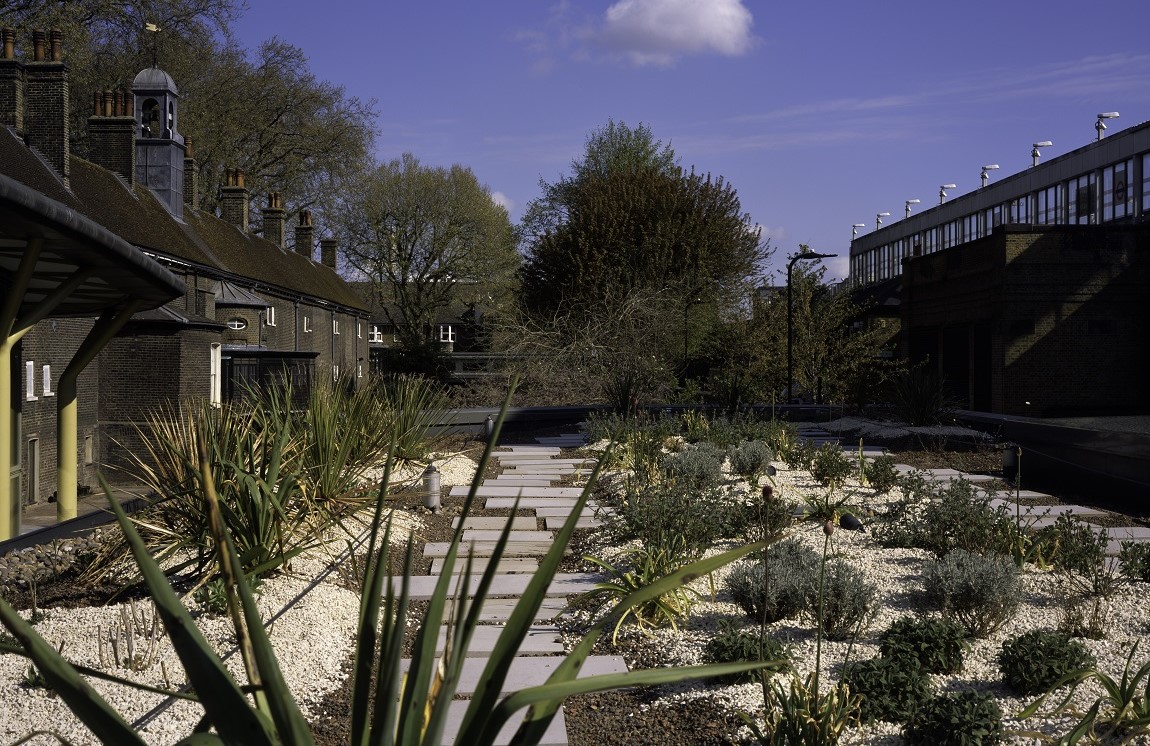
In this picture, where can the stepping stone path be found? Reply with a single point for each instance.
(1032, 517)
(527, 475)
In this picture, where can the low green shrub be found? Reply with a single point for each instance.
(797, 453)
(880, 474)
(1134, 560)
(934, 645)
(966, 718)
(666, 513)
(735, 645)
(830, 467)
(848, 600)
(960, 517)
(695, 467)
(776, 586)
(980, 593)
(892, 690)
(1034, 661)
(750, 459)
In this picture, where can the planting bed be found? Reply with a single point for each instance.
(314, 644)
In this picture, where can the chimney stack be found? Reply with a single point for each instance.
(305, 234)
(327, 252)
(273, 216)
(112, 134)
(191, 176)
(11, 83)
(46, 101)
(234, 200)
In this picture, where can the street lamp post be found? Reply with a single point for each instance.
(791, 319)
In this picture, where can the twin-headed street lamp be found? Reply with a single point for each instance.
(802, 256)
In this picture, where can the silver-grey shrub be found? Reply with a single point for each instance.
(777, 585)
(695, 467)
(980, 593)
(751, 458)
(848, 600)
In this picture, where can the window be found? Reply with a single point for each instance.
(335, 326)
(48, 380)
(358, 329)
(30, 381)
(1049, 210)
(1080, 199)
(89, 451)
(215, 375)
(270, 316)
(359, 370)
(307, 324)
(237, 323)
(1146, 183)
(335, 372)
(446, 333)
(376, 334)
(1117, 197)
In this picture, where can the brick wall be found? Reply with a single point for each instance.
(53, 343)
(1056, 314)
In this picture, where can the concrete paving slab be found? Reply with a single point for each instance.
(540, 640)
(507, 565)
(527, 503)
(509, 586)
(499, 609)
(517, 491)
(496, 523)
(521, 461)
(1022, 494)
(537, 449)
(532, 671)
(1129, 533)
(1052, 510)
(554, 524)
(555, 735)
(518, 482)
(555, 512)
(531, 534)
(434, 549)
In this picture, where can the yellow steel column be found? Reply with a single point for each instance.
(9, 501)
(67, 467)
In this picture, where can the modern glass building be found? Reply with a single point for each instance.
(1107, 181)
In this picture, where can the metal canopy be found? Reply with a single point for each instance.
(115, 272)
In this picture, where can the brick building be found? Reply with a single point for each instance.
(250, 307)
(1029, 295)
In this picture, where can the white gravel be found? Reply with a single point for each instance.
(894, 572)
(312, 640)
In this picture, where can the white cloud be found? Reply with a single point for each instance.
(656, 32)
(503, 201)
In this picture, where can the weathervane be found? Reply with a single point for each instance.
(154, 30)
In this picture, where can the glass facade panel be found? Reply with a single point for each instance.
(1146, 184)
(1081, 200)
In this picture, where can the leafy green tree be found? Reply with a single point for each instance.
(426, 238)
(832, 353)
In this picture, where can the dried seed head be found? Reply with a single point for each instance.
(829, 528)
(768, 492)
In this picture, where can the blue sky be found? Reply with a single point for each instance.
(820, 114)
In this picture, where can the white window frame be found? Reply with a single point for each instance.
(334, 325)
(358, 329)
(237, 323)
(270, 316)
(446, 333)
(216, 375)
(335, 372)
(376, 334)
(359, 370)
(30, 381)
(47, 380)
(89, 450)
(306, 324)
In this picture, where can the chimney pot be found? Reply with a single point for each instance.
(304, 234)
(38, 46)
(9, 36)
(234, 206)
(57, 37)
(47, 106)
(189, 151)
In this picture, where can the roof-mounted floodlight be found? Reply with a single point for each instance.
(855, 230)
(1035, 154)
(985, 170)
(910, 202)
(942, 191)
(1100, 126)
(878, 219)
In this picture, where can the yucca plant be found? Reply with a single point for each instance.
(409, 708)
(412, 406)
